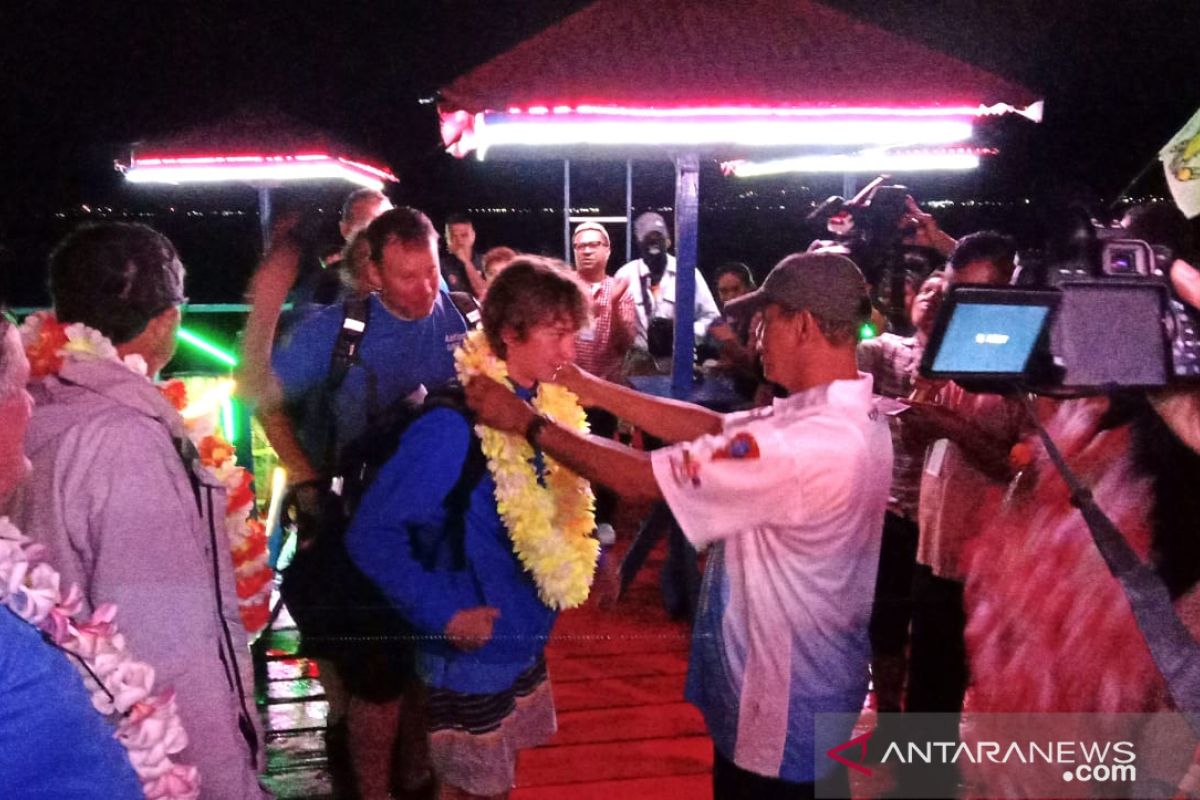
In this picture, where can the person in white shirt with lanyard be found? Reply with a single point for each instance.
(651, 280)
(791, 499)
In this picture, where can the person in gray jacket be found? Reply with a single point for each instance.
(118, 497)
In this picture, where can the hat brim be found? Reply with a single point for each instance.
(745, 306)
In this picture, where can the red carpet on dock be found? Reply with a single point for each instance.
(617, 673)
(624, 730)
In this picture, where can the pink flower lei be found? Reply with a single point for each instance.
(122, 689)
(48, 342)
(148, 723)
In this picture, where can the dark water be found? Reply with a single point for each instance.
(757, 222)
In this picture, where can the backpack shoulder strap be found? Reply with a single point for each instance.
(459, 498)
(356, 309)
(454, 398)
(468, 306)
(356, 313)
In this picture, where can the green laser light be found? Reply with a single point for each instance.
(187, 337)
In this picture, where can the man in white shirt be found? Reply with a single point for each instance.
(651, 280)
(791, 498)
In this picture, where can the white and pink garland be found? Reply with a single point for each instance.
(48, 341)
(122, 689)
(147, 722)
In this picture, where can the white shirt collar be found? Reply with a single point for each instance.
(855, 392)
(644, 269)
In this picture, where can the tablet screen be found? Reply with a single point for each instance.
(990, 338)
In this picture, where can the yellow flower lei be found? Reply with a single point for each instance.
(551, 526)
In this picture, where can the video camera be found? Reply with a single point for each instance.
(1105, 319)
(872, 217)
(870, 224)
(871, 227)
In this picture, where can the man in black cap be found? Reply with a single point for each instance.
(791, 499)
(651, 280)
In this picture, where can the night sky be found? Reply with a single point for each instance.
(80, 81)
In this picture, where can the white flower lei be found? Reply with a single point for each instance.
(550, 526)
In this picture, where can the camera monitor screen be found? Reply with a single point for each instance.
(987, 332)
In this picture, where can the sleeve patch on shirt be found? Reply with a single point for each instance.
(741, 446)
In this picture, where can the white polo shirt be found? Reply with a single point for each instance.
(792, 498)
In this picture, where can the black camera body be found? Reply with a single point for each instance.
(1106, 320)
(871, 227)
(869, 224)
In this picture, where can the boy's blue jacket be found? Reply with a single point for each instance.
(399, 540)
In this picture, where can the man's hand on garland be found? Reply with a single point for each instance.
(497, 407)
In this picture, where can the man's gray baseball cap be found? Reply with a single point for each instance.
(647, 222)
(829, 285)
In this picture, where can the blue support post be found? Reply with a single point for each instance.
(264, 215)
(687, 211)
(567, 211)
(628, 210)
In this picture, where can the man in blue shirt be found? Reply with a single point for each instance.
(407, 347)
(412, 331)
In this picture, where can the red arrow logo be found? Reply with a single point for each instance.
(861, 743)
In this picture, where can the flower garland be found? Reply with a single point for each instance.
(252, 572)
(148, 723)
(550, 526)
(48, 342)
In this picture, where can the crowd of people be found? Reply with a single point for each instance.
(451, 422)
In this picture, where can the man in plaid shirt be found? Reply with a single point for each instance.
(601, 348)
(892, 361)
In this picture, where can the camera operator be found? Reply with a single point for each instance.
(1050, 628)
(887, 234)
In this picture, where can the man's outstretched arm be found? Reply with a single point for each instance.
(624, 470)
(269, 287)
(669, 420)
(257, 384)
